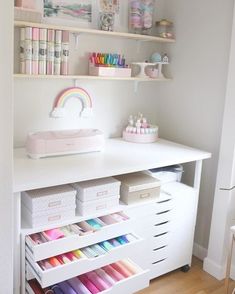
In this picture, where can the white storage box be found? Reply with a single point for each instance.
(41, 200)
(138, 187)
(167, 174)
(47, 217)
(90, 207)
(97, 189)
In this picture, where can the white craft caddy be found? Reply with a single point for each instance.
(133, 283)
(81, 266)
(138, 187)
(91, 207)
(109, 71)
(73, 242)
(49, 198)
(48, 205)
(97, 195)
(97, 189)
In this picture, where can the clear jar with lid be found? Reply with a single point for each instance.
(141, 16)
(165, 29)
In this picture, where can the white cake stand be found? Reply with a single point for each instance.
(142, 66)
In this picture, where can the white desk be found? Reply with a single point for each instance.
(119, 157)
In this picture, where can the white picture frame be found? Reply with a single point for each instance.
(80, 13)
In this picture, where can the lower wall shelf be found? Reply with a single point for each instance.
(86, 77)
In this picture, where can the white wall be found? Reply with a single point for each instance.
(113, 101)
(6, 203)
(191, 108)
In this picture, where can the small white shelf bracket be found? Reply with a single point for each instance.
(136, 85)
(76, 37)
(76, 83)
(138, 43)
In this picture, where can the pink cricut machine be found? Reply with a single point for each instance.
(53, 143)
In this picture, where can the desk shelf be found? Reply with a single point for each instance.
(119, 157)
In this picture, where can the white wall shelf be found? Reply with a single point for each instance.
(95, 32)
(119, 157)
(87, 77)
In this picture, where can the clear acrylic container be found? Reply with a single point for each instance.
(141, 16)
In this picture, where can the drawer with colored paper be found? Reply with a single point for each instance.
(53, 242)
(123, 276)
(68, 265)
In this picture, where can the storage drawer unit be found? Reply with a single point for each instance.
(168, 226)
(134, 283)
(82, 265)
(73, 242)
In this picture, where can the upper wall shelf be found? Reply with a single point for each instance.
(95, 32)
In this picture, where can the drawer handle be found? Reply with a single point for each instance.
(160, 248)
(161, 260)
(145, 195)
(54, 218)
(164, 201)
(165, 192)
(162, 234)
(101, 207)
(99, 194)
(163, 212)
(161, 224)
(55, 203)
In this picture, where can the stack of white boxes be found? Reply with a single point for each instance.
(97, 195)
(48, 205)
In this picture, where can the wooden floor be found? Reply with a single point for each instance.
(196, 281)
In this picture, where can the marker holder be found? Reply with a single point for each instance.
(103, 71)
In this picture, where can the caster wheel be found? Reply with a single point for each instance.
(185, 268)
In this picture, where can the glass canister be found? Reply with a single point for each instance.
(135, 16)
(106, 21)
(147, 15)
(141, 16)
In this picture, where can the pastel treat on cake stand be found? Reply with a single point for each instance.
(140, 131)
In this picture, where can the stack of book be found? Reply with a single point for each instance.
(44, 51)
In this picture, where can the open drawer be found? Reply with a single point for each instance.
(73, 242)
(132, 284)
(80, 266)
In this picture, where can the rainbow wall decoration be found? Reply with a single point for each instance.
(69, 93)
